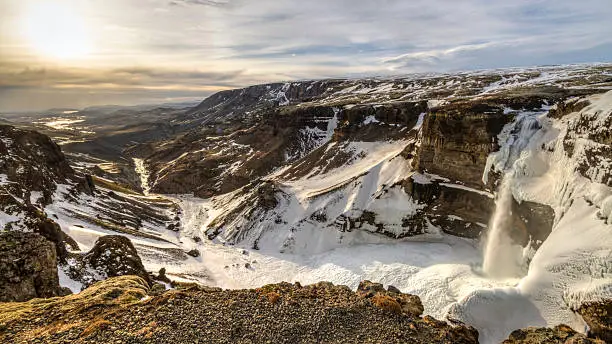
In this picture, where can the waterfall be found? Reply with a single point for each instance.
(502, 258)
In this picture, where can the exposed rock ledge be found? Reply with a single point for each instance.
(561, 334)
(28, 267)
(124, 310)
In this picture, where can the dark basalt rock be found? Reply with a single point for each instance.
(391, 117)
(560, 334)
(598, 315)
(458, 138)
(565, 108)
(34, 160)
(115, 255)
(52, 232)
(28, 267)
(463, 213)
(368, 289)
(162, 276)
(393, 289)
(87, 185)
(267, 196)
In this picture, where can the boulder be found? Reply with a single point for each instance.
(28, 267)
(115, 255)
(598, 315)
(53, 232)
(561, 334)
(162, 276)
(367, 289)
(391, 299)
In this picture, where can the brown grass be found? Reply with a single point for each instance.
(98, 324)
(96, 302)
(167, 296)
(387, 303)
(113, 186)
(273, 297)
(53, 328)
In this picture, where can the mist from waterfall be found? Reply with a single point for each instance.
(503, 258)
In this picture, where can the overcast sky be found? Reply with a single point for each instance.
(75, 53)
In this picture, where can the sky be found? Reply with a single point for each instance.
(77, 53)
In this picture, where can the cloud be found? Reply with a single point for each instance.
(199, 2)
(12, 75)
(434, 56)
(214, 44)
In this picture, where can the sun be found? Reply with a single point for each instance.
(54, 30)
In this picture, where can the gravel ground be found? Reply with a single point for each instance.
(128, 312)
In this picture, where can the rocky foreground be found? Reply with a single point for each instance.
(126, 310)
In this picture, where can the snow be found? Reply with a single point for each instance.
(466, 188)
(143, 173)
(442, 270)
(370, 119)
(419, 123)
(8, 218)
(393, 206)
(35, 196)
(67, 282)
(63, 123)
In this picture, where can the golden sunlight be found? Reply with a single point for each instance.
(54, 29)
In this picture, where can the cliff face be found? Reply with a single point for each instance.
(31, 159)
(458, 138)
(31, 167)
(28, 267)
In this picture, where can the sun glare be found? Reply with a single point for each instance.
(54, 29)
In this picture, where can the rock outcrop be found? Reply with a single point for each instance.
(458, 138)
(123, 309)
(115, 255)
(111, 256)
(561, 334)
(598, 316)
(28, 267)
(31, 166)
(392, 299)
(32, 159)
